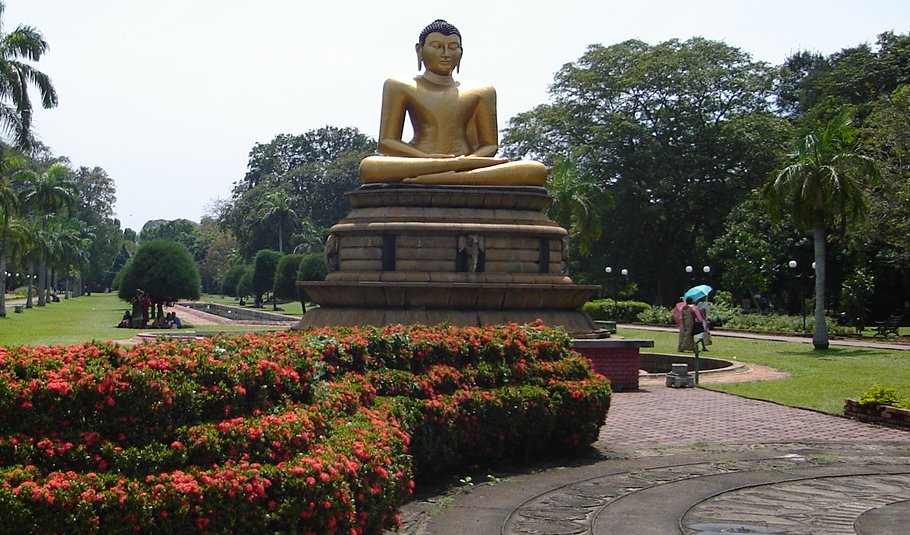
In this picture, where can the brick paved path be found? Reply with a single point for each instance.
(660, 416)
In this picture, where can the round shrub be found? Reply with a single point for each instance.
(231, 278)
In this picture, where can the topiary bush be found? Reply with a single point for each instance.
(231, 278)
(265, 264)
(312, 268)
(286, 277)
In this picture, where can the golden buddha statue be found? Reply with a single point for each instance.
(455, 130)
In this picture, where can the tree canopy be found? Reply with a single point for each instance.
(163, 269)
(297, 181)
(674, 133)
(18, 49)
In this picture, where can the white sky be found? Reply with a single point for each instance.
(170, 96)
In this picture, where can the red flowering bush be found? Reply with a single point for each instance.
(296, 432)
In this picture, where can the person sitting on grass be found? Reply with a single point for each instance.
(160, 322)
(173, 322)
(126, 321)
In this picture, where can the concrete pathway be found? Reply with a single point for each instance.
(694, 462)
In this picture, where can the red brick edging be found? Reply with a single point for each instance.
(878, 414)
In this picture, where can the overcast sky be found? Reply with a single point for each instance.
(170, 96)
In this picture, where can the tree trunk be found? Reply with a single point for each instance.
(280, 241)
(2, 280)
(42, 282)
(820, 332)
(31, 281)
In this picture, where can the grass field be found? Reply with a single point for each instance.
(820, 380)
(72, 321)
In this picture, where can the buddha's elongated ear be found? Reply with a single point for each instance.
(417, 48)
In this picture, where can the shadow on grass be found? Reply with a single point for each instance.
(831, 352)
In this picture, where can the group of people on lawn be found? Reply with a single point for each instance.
(138, 317)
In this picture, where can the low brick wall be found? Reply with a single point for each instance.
(878, 414)
(617, 360)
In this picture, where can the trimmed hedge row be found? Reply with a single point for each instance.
(312, 432)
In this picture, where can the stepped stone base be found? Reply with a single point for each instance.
(447, 254)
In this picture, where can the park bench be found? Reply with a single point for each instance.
(890, 325)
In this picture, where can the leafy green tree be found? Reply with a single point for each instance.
(823, 182)
(163, 269)
(231, 279)
(887, 137)
(264, 266)
(311, 171)
(752, 254)
(182, 231)
(218, 257)
(93, 204)
(122, 258)
(676, 134)
(286, 277)
(17, 48)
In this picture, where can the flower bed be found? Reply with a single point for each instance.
(298, 432)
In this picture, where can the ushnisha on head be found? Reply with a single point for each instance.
(442, 54)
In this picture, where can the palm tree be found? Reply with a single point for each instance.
(276, 207)
(46, 196)
(576, 203)
(9, 207)
(823, 182)
(23, 43)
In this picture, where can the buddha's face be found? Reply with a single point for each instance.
(440, 53)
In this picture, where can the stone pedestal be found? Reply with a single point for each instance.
(457, 254)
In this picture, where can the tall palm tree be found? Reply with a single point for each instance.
(823, 182)
(9, 207)
(46, 196)
(24, 43)
(276, 208)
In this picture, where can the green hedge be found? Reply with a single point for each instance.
(609, 309)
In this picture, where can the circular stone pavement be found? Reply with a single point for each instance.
(696, 462)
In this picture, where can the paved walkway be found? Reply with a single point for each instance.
(695, 462)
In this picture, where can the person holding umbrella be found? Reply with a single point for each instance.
(690, 323)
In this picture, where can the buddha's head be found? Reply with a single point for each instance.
(439, 48)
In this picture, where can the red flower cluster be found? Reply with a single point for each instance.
(315, 431)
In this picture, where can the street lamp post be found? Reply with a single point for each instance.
(803, 280)
(609, 271)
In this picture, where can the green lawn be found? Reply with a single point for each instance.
(72, 321)
(821, 379)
